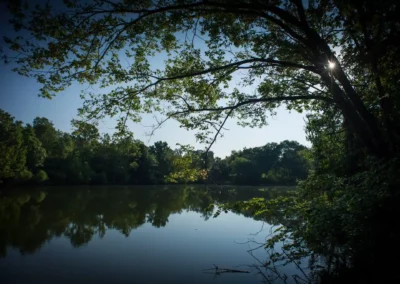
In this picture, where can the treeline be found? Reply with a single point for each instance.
(38, 153)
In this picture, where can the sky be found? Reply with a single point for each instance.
(18, 96)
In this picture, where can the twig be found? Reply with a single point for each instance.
(225, 270)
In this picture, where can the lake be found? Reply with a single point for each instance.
(148, 234)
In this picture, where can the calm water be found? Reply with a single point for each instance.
(127, 235)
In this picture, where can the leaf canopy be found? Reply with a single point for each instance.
(200, 62)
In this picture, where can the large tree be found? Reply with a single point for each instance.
(47, 134)
(164, 156)
(35, 154)
(12, 148)
(320, 55)
(243, 58)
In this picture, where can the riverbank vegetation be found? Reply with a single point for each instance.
(39, 154)
(336, 60)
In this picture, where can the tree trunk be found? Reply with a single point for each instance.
(355, 121)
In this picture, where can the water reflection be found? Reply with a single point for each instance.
(29, 218)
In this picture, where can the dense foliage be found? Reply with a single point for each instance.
(336, 59)
(40, 154)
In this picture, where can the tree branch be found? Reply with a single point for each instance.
(258, 100)
(216, 136)
(236, 64)
(300, 11)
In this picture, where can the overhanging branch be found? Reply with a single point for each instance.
(254, 101)
(272, 62)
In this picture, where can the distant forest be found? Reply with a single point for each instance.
(38, 153)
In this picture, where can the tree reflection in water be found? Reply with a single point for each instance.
(31, 217)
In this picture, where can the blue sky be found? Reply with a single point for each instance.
(18, 96)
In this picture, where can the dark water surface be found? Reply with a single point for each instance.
(153, 234)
